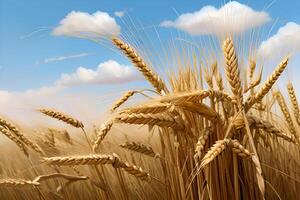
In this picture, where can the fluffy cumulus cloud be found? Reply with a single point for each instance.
(79, 23)
(233, 17)
(109, 72)
(286, 41)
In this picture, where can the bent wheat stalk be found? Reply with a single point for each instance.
(140, 148)
(103, 132)
(122, 100)
(63, 117)
(20, 136)
(267, 85)
(152, 77)
(13, 138)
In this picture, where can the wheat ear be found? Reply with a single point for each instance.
(13, 138)
(151, 76)
(201, 143)
(232, 70)
(294, 102)
(252, 66)
(160, 119)
(267, 85)
(239, 149)
(103, 132)
(95, 159)
(153, 108)
(196, 96)
(258, 123)
(122, 100)
(286, 114)
(14, 182)
(20, 136)
(63, 117)
(214, 151)
(140, 148)
(137, 172)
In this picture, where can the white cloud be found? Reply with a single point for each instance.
(119, 13)
(286, 41)
(233, 17)
(106, 73)
(61, 58)
(81, 23)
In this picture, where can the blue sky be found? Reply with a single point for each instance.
(19, 57)
(27, 55)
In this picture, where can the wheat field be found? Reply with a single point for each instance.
(207, 132)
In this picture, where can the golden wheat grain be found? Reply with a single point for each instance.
(10, 126)
(140, 148)
(94, 159)
(152, 77)
(232, 70)
(286, 114)
(267, 85)
(219, 81)
(196, 96)
(214, 151)
(254, 83)
(103, 132)
(63, 117)
(137, 172)
(239, 149)
(160, 119)
(201, 142)
(252, 66)
(258, 123)
(153, 108)
(13, 138)
(14, 182)
(294, 102)
(122, 100)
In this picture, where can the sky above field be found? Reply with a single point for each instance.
(42, 60)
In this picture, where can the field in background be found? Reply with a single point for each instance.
(208, 132)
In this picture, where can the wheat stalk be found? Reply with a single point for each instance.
(152, 108)
(140, 148)
(94, 159)
(201, 142)
(258, 123)
(239, 149)
(152, 77)
(294, 102)
(20, 136)
(16, 182)
(13, 138)
(286, 114)
(160, 119)
(232, 70)
(137, 172)
(196, 96)
(122, 100)
(63, 117)
(267, 85)
(214, 151)
(252, 66)
(103, 132)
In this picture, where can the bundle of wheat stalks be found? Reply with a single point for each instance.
(210, 143)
